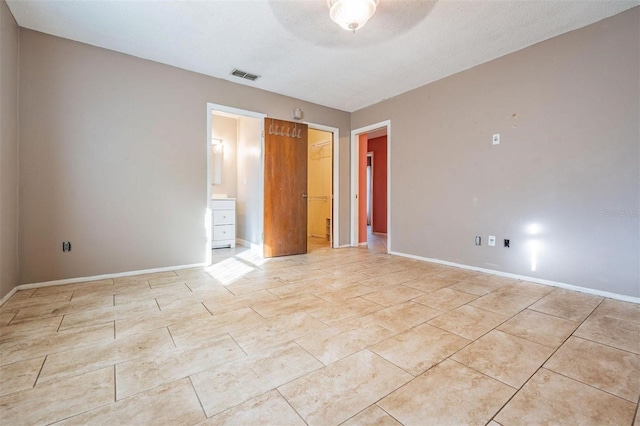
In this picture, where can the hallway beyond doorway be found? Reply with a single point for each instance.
(376, 243)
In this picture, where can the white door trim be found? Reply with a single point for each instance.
(355, 151)
(335, 151)
(211, 108)
(370, 192)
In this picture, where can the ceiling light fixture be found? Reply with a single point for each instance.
(351, 14)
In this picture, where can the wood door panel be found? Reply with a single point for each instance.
(285, 187)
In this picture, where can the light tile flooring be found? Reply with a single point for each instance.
(337, 336)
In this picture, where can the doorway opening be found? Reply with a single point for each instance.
(332, 133)
(319, 189)
(235, 179)
(370, 186)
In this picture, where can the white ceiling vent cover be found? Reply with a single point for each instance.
(243, 74)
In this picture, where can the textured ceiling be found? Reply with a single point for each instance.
(298, 51)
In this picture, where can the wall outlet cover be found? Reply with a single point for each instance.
(492, 240)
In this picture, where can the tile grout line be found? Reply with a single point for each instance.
(207, 309)
(587, 384)
(472, 340)
(60, 325)
(495, 328)
(603, 344)
(389, 414)
(13, 317)
(198, 397)
(288, 403)
(261, 316)
(568, 319)
(234, 341)
(312, 355)
(533, 341)
(413, 377)
(545, 361)
(488, 310)
(40, 371)
(172, 339)
(517, 390)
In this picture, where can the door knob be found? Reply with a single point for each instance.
(304, 195)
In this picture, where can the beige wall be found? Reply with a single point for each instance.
(113, 158)
(226, 128)
(567, 111)
(113, 150)
(9, 54)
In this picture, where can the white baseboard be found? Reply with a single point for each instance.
(395, 253)
(99, 277)
(248, 244)
(324, 237)
(524, 278)
(243, 243)
(8, 295)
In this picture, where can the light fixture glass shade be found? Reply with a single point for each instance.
(352, 14)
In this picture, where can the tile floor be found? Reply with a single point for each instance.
(337, 336)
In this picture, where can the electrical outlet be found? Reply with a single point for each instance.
(492, 240)
(478, 241)
(66, 246)
(506, 243)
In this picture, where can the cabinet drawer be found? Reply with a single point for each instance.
(223, 204)
(224, 232)
(224, 217)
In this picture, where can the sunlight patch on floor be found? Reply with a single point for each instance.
(229, 271)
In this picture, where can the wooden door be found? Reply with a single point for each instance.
(285, 188)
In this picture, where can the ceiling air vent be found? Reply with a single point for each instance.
(242, 74)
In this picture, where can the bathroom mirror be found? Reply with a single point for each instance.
(217, 160)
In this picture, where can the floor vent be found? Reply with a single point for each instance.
(242, 74)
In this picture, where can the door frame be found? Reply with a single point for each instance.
(211, 108)
(355, 151)
(370, 194)
(335, 179)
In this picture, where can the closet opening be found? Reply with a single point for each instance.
(320, 189)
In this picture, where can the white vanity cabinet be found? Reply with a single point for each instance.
(223, 222)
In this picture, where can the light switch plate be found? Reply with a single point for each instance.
(496, 139)
(492, 240)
